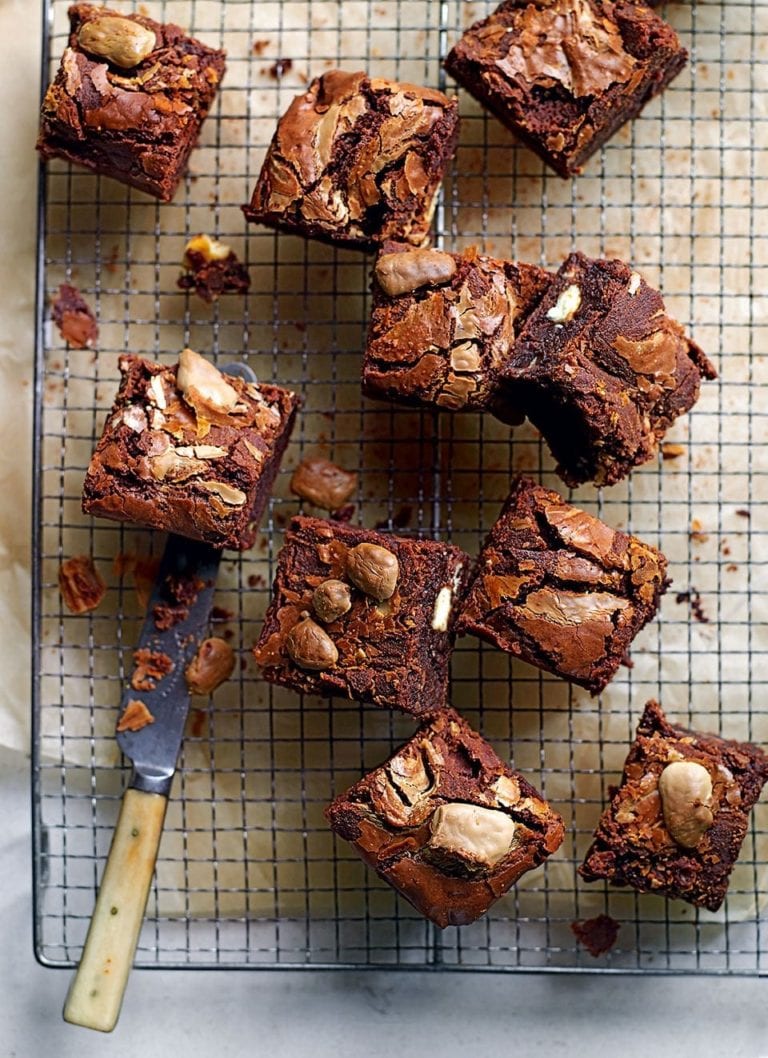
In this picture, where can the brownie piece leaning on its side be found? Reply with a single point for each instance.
(362, 614)
(443, 324)
(129, 98)
(189, 450)
(676, 823)
(357, 160)
(602, 371)
(560, 589)
(564, 75)
(447, 823)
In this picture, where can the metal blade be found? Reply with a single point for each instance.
(155, 748)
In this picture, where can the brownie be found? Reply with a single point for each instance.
(676, 823)
(357, 160)
(443, 324)
(602, 371)
(560, 589)
(189, 450)
(447, 823)
(564, 75)
(211, 268)
(129, 98)
(362, 614)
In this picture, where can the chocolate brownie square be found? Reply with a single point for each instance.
(189, 450)
(602, 371)
(443, 324)
(446, 823)
(676, 823)
(564, 75)
(362, 614)
(357, 160)
(129, 98)
(560, 589)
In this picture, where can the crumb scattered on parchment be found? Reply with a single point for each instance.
(255, 580)
(220, 616)
(672, 451)
(694, 598)
(696, 532)
(598, 935)
(260, 46)
(150, 667)
(280, 68)
(743, 513)
(74, 318)
(80, 583)
(197, 720)
(135, 716)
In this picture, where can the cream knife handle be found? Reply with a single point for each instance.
(96, 993)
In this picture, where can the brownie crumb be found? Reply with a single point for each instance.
(343, 514)
(598, 935)
(694, 598)
(81, 585)
(151, 667)
(260, 46)
(166, 616)
(219, 615)
(671, 451)
(74, 318)
(280, 68)
(323, 483)
(743, 512)
(184, 589)
(135, 716)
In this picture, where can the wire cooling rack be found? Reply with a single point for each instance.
(248, 874)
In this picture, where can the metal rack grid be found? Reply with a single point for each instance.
(248, 874)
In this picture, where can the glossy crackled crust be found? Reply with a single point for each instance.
(389, 653)
(564, 75)
(357, 160)
(604, 385)
(561, 590)
(386, 817)
(139, 435)
(138, 125)
(632, 846)
(443, 343)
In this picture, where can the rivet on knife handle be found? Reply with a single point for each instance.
(96, 993)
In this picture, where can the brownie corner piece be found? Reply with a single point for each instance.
(189, 450)
(565, 75)
(442, 325)
(561, 590)
(676, 823)
(129, 98)
(602, 370)
(357, 160)
(446, 823)
(363, 615)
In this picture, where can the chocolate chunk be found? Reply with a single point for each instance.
(598, 935)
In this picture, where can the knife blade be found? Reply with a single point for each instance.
(177, 617)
